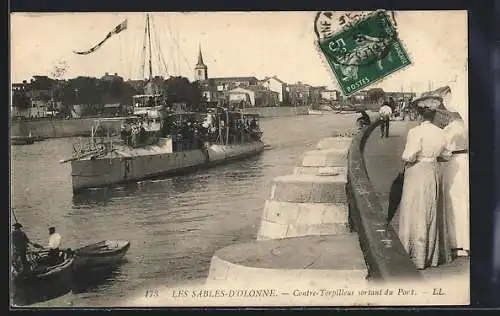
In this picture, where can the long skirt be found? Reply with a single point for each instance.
(421, 224)
(455, 190)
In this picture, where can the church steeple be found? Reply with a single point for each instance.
(200, 70)
(200, 58)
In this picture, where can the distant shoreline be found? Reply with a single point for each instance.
(44, 128)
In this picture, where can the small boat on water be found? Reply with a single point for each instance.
(22, 140)
(319, 112)
(103, 254)
(45, 278)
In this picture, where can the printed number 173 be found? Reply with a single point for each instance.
(151, 293)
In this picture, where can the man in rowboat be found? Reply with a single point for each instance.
(53, 245)
(20, 244)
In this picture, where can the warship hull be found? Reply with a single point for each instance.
(152, 162)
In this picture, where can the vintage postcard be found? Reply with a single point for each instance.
(239, 159)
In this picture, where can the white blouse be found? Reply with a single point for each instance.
(456, 136)
(426, 141)
(54, 241)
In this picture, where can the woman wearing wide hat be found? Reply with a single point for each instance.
(455, 180)
(420, 224)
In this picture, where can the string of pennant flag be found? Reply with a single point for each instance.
(120, 27)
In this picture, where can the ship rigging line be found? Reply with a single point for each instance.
(178, 47)
(150, 56)
(172, 52)
(161, 58)
(143, 57)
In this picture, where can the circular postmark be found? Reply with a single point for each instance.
(328, 23)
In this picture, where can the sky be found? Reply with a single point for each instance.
(233, 44)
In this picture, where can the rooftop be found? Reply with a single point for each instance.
(275, 78)
(234, 79)
(253, 88)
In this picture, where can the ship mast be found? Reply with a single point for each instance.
(150, 51)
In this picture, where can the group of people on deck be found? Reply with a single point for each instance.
(239, 128)
(134, 133)
(434, 205)
(21, 243)
(191, 132)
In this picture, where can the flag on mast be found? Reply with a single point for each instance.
(120, 27)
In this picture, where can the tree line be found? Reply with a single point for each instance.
(94, 91)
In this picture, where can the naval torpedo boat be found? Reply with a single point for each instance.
(161, 138)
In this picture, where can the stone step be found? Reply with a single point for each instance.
(320, 171)
(334, 142)
(310, 189)
(333, 157)
(285, 219)
(319, 261)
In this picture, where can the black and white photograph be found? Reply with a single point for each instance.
(245, 158)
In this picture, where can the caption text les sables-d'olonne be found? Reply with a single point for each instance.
(220, 293)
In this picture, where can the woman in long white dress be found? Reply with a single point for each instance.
(419, 224)
(455, 185)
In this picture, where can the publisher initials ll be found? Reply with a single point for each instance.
(438, 291)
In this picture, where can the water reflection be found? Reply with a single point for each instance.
(93, 280)
(171, 186)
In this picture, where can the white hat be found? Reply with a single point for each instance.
(428, 101)
(442, 93)
(460, 103)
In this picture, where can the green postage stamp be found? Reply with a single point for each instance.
(361, 48)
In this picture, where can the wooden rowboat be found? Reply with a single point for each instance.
(44, 280)
(22, 140)
(103, 254)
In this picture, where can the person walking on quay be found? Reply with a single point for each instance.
(420, 222)
(403, 110)
(392, 104)
(455, 185)
(385, 114)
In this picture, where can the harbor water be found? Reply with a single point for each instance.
(174, 224)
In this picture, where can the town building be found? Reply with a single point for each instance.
(110, 78)
(397, 96)
(230, 83)
(275, 84)
(330, 95)
(254, 96)
(217, 89)
(200, 70)
(300, 93)
(360, 96)
(315, 95)
(38, 98)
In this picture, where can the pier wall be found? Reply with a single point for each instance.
(305, 233)
(278, 111)
(384, 254)
(48, 128)
(320, 224)
(56, 128)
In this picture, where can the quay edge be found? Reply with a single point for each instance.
(319, 227)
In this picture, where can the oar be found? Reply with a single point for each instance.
(14, 213)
